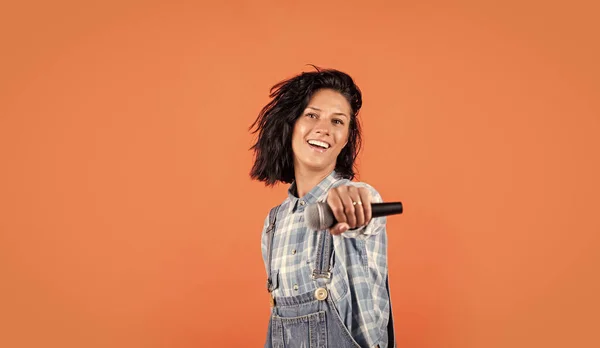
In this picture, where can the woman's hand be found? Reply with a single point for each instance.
(351, 207)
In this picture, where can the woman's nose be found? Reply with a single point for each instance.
(323, 127)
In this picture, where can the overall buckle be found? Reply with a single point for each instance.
(317, 275)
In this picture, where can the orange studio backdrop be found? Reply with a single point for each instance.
(128, 219)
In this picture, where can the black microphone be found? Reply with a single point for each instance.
(320, 217)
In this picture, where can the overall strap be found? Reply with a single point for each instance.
(270, 233)
(390, 329)
(325, 249)
(324, 253)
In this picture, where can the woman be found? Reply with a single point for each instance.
(328, 288)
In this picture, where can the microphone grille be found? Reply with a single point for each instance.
(318, 216)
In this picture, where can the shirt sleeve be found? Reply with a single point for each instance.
(370, 313)
(263, 241)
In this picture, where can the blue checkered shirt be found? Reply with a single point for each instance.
(359, 274)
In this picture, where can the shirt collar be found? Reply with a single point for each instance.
(313, 195)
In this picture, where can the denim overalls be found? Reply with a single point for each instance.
(309, 320)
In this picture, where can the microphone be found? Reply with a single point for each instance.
(320, 217)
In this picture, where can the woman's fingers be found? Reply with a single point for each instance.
(351, 207)
(365, 197)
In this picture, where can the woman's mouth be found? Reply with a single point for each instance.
(318, 145)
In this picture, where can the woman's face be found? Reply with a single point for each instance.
(321, 131)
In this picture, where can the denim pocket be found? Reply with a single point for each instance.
(307, 331)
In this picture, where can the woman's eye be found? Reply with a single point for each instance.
(337, 121)
(311, 115)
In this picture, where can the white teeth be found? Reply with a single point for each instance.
(319, 143)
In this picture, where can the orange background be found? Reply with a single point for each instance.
(128, 218)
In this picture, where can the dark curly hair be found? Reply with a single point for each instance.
(274, 158)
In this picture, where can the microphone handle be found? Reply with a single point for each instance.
(385, 209)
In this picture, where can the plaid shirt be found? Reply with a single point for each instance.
(359, 274)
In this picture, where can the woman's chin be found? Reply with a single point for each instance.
(317, 167)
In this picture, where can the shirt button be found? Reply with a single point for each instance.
(294, 252)
(296, 287)
(302, 203)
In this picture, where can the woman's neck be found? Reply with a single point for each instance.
(306, 180)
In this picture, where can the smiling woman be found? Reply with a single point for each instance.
(321, 132)
(330, 287)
